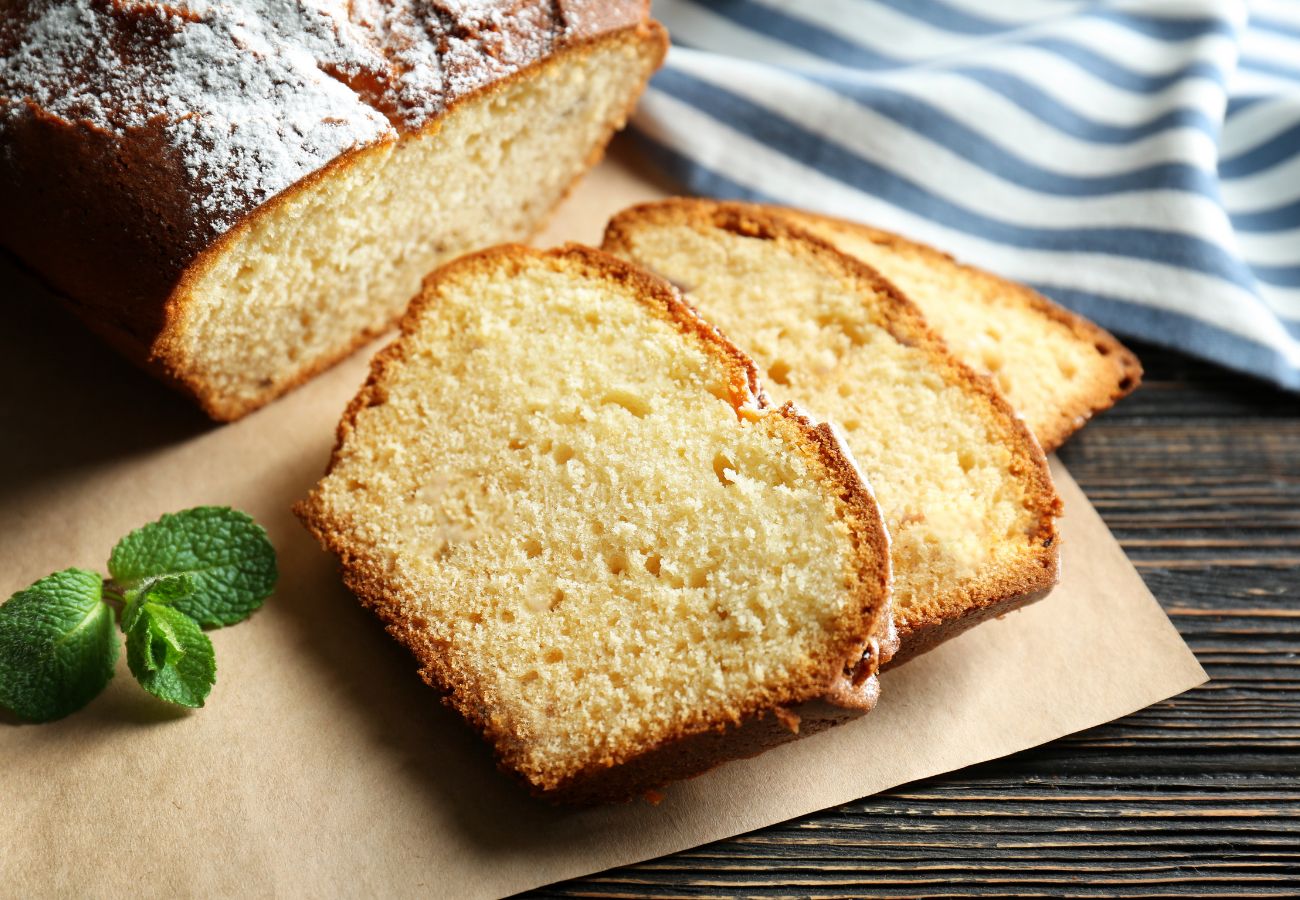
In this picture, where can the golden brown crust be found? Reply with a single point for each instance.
(920, 641)
(995, 592)
(1122, 372)
(844, 685)
(136, 301)
(166, 351)
(696, 753)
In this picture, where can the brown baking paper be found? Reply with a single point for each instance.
(323, 766)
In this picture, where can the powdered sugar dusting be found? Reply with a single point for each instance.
(250, 96)
(246, 115)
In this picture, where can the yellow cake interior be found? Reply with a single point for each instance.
(558, 485)
(340, 258)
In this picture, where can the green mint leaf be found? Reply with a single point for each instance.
(227, 556)
(170, 655)
(165, 590)
(57, 646)
(131, 611)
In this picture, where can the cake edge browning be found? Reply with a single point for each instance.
(163, 356)
(143, 327)
(1068, 420)
(996, 593)
(848, 687)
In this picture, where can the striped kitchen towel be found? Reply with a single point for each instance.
(1136, 161)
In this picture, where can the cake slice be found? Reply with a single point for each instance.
(239, 194)
(964, 486)
(566, 495)
(1054, 367)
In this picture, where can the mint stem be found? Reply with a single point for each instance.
(113, 595)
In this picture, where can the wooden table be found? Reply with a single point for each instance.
(1198, 475)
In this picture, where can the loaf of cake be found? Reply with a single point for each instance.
(1057, 369)
(963, 484)
(568, 496)
(238, 193)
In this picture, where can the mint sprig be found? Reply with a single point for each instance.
(207, 566)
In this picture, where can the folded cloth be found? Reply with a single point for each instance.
(1136, 161)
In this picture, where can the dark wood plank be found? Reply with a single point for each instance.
(1198, 475)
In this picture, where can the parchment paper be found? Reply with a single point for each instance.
(323, 766)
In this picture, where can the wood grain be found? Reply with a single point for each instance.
(1198, 475)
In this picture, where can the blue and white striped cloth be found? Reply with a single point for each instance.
(1136, 161)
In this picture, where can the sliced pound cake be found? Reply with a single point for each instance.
(963, 484)
(1056, 368)
(566, 495)
(237, 194)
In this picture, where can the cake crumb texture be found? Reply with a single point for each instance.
(1057, 369)
(964, 486)
(562, 490)
(238, 193)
